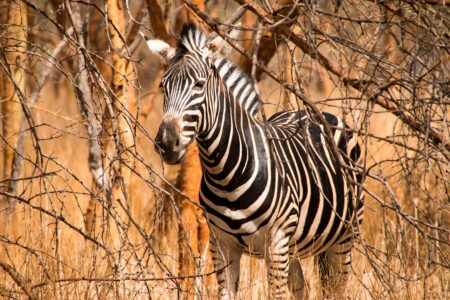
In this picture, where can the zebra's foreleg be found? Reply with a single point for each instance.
(226, 262)
(278, 268)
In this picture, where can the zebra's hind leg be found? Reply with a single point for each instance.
(334, 266)
(296, 281)
(226, 262)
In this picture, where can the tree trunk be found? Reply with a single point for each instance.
(13, 63)
(123, 99)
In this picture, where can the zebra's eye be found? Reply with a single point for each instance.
(199, 85)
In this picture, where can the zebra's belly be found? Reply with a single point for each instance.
(253, 237)
(256, 242)
(311, 231)
(313, 241)
(247, 228)
(252, 242)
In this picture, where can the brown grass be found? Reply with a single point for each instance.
(58, 261)
(132, 250)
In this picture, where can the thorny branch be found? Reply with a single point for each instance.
(18, 278)
(48, 69)
(86, 100)
(360, 85)
(129, 251)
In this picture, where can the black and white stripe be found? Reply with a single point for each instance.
(273, 190)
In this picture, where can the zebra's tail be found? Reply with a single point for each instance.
(347, 140)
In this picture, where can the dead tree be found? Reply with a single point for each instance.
(13, 72)
(91, 111)
(123, 100)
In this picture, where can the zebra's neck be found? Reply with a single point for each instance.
(233, 144)
(240, 86)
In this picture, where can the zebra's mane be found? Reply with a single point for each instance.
(193, 39)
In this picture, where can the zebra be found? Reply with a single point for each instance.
(270, 189)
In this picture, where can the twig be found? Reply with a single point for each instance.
(18, 279)
(157, 22)
(46, 72)
(125, 278)
(360, 85)
(85, 101)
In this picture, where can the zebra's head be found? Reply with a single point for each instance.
(184, 84)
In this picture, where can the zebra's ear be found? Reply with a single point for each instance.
(164, 51)
(219, 47)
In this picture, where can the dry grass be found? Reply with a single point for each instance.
(131, 252)
(58, 261)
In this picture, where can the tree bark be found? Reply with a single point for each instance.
(122, 98)
(15, 59)
(90, 110)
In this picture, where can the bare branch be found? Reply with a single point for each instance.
(157, 22)
(18, 279)
(360, 85)
(86, 101)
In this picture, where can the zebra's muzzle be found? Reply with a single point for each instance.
(168, 142)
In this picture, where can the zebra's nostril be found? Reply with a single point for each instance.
(177, 142)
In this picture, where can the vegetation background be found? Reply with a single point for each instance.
(88, 209)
